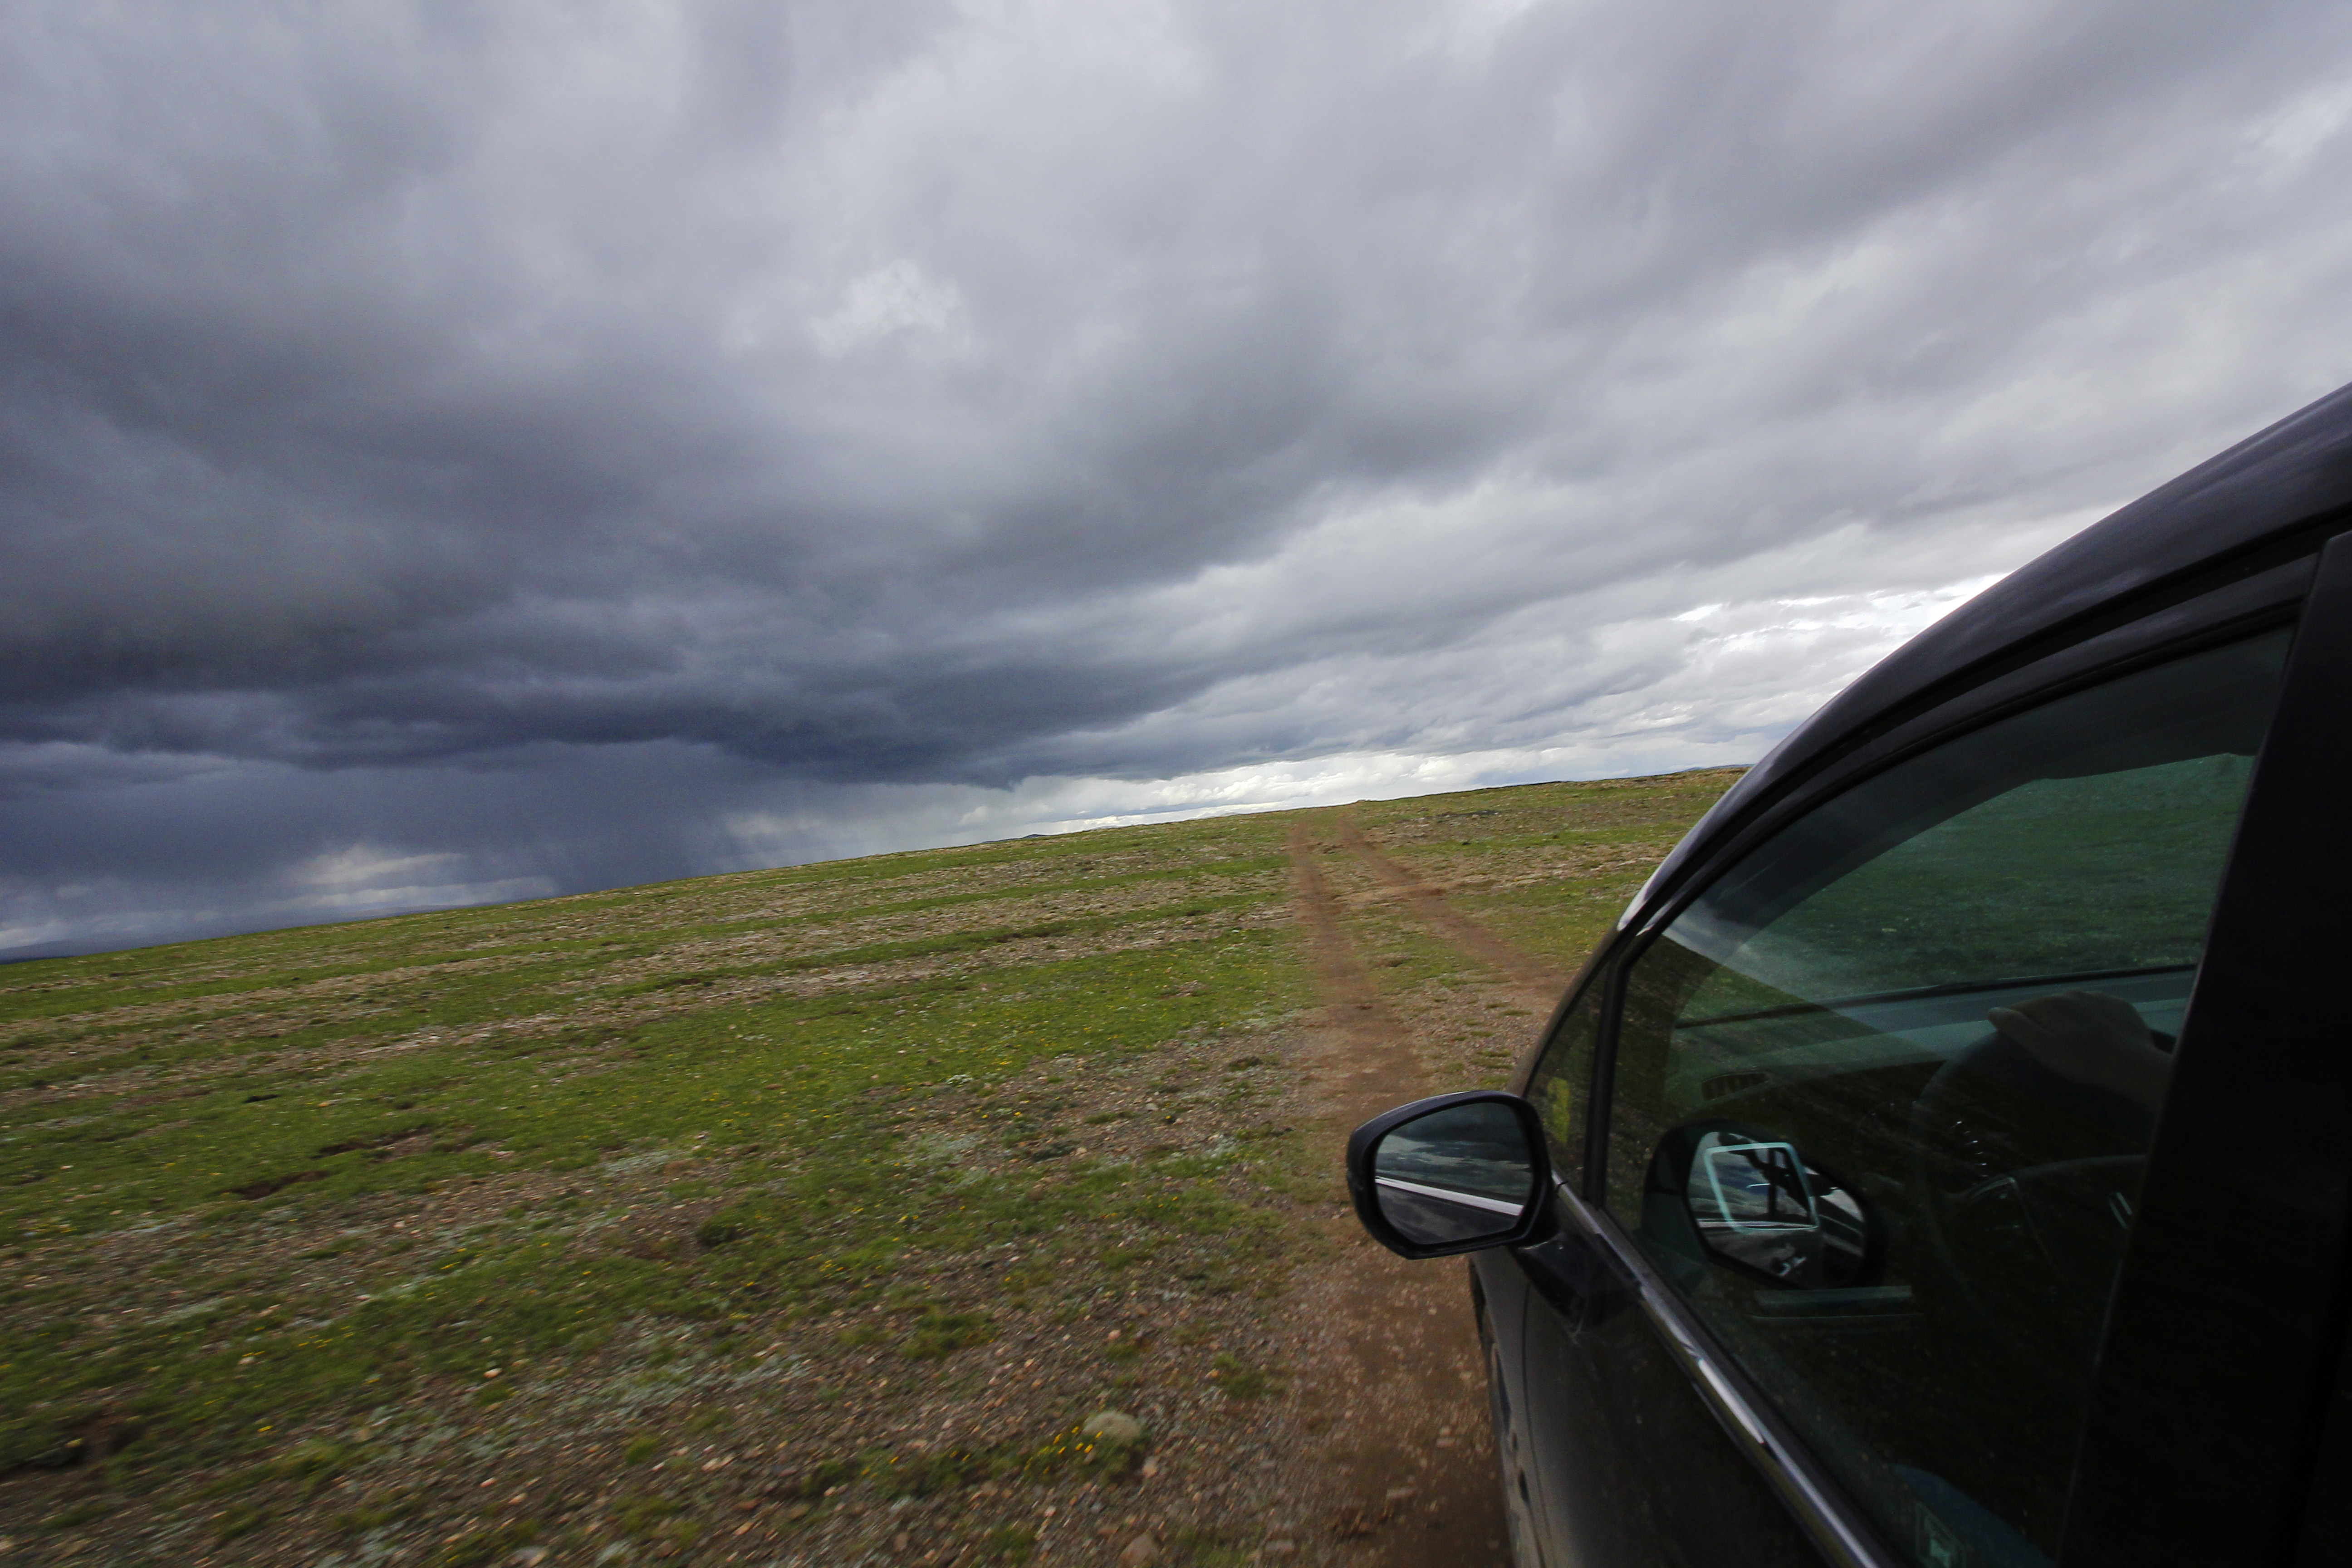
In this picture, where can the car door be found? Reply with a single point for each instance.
(1615, 1443)
(1867, 1113)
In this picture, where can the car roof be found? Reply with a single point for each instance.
(2263, 494)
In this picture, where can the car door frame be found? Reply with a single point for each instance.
(2118, 1478)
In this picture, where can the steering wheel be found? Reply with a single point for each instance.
(2022, 1184)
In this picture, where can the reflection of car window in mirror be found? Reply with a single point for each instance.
(1760, 1205)
(1455, 1175)
(1756, 1187)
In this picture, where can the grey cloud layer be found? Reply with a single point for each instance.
(897, 395)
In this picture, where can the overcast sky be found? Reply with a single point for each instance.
(455, 452)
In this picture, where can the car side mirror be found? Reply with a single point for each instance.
(1456, 1173)
(1756, 1202)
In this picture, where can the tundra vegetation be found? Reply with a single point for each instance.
(799, 1212)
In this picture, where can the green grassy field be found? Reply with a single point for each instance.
(799, 1196)
(1548, 868)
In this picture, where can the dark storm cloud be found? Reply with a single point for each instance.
(410, 406)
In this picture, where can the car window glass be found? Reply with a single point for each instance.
(1881, 1094)
(1561, 1086)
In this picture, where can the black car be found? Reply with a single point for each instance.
(1945, 1161)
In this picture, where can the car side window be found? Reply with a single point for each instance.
(1881, 1095)
(1561, 1085)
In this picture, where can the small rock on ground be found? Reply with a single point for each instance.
(1113, 1427)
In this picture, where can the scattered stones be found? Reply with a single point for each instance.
(1143, 1551)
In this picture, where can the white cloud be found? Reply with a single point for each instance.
(892, 298)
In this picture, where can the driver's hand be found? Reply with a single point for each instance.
(2093, 1038)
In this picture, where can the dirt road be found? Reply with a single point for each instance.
(1389, 1348)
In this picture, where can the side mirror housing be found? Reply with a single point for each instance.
(1460, 1172)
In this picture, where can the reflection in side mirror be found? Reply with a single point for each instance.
(1457, 1175)
(1758, 1204)
(1451, 1174)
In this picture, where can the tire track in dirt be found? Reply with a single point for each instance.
(1393, 1373)
(1536, 980)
